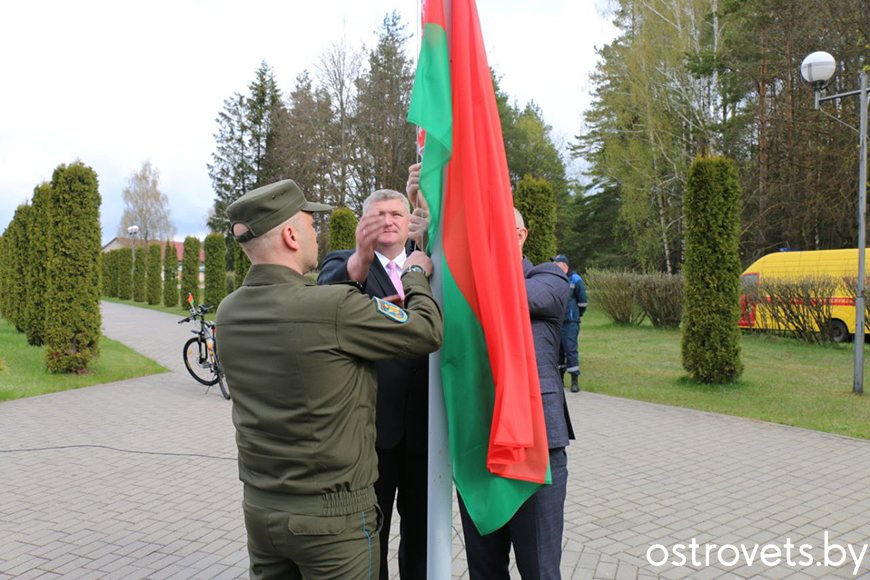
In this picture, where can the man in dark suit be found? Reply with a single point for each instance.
(403, 389)
(536, 529)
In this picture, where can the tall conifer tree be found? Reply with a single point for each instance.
(72, 298)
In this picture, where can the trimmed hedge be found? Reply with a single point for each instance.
(710, 341)
(153, 280)
(140, 261)
(125, 273)
(630, 298)
(72, 332)
(537, 202)
(215, 269)
(170, 274)
(190, 271)
(614, 292)
(342, 229)
(660, 296)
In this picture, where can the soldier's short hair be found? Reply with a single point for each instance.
(255, 245)
(384, 195)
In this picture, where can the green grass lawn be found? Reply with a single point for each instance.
(23, 374)
(784, 381)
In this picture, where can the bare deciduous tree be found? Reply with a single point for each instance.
(146, 206)
(338, 70)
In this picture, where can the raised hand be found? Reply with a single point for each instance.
(419, 226)
(368, 230)
(412, 188)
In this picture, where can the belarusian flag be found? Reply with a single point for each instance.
(497, 434)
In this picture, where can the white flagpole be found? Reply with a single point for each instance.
(440, 492)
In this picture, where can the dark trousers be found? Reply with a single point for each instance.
(568, 351)
(535, 532)
(404, 471)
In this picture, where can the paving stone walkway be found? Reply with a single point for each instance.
(138, 479)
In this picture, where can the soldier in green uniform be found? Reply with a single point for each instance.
(299, 362)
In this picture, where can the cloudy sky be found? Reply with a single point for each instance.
(116, 83)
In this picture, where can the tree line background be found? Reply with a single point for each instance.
(341, 132)
(720, 76)
(683, 78)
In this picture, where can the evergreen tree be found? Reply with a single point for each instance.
(125, 273)
(170, 274)
(39, 247)
(5, 274)
(104, 274)
(140, 259)
(115, 271)
(243, 264)
(710, 342)
(591, 238)
(154, 281)
(264, 96)
(215, 269)
(72, 299)
(301, 146)
(535, 200)
(530, 150)
(244, 129)
(18, 249)
(342, 229)
(231, 172)
(190, 271)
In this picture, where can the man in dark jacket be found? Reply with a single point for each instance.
(403, 385)
(569, 360)
(536, 529)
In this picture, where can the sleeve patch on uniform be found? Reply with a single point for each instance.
(391, 311)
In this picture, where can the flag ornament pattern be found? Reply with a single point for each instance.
(497, 434)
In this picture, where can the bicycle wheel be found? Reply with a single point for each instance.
(225, 389)
(222, 377)
(196, 361)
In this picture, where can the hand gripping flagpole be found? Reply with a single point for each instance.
(440, 490)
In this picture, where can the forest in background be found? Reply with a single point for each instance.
(686, 77)
(682, 78)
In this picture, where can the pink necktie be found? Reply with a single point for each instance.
(396, 278)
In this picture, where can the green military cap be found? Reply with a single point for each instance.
(269, 206)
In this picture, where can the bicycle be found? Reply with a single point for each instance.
(200, 352)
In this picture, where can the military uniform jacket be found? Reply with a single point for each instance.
(403, 384)
(299, 363)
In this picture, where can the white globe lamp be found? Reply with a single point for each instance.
(818, 69)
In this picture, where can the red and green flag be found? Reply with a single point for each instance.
(496, 429)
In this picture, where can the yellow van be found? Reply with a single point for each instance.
(840, 264)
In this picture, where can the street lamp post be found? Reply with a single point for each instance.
(818, 69)
(133, 231)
